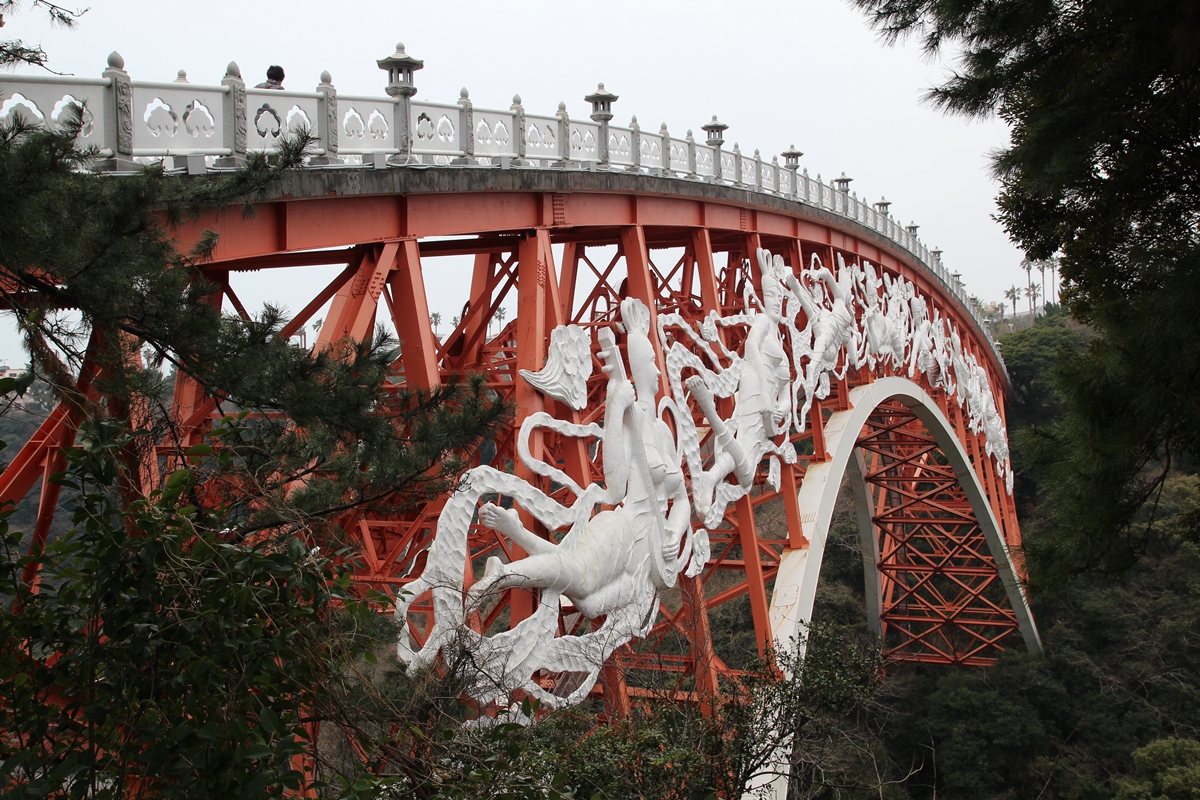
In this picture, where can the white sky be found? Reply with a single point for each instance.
(808, 72)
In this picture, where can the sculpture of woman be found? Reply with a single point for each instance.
(762, 403)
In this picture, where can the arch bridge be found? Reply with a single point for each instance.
(567, 217)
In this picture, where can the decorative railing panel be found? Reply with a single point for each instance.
(170, 118)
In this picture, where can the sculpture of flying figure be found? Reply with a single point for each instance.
(623, 550)
(884, 339)
(833, 329)
(762, 405)
(612, 564)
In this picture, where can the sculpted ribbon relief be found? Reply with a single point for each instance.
(620, 543)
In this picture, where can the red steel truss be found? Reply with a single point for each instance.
(942, 598)
(567, 252)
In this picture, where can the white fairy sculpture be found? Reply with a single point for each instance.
(834, 329)
(761, 411)
(612, 563)
(883, 337)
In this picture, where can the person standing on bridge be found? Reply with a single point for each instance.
(274, 78)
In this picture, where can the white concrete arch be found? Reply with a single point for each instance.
(799, 570)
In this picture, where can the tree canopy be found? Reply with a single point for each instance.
(1103, 168)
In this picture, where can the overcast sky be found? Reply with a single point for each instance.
(808, 72)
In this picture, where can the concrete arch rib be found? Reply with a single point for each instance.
(799, 570)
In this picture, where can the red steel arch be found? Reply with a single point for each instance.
(567, 245)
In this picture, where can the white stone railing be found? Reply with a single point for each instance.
(202, 128)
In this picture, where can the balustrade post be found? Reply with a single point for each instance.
(233, 107)
(758, 170)
(327, 122)
(666, 150)
(691, 146)
(564, 136)
(775, 174)
(807, 195)
(521, 140)
(635, 141)
(118, 127)
(737, 164)
(466, 129)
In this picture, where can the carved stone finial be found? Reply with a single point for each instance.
(516, 99)
(462, 94)
(689, 133)
(233, 70)
(663, 129)
(181, 77)
(400, 47)
(633, 120)
(562, 105)
(326, 77)
(115, 60)
(756, 153)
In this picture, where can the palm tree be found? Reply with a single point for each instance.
(500, 315)
(435, 319)
(1027, 265)
(1034, 290)
(454, 322)
(1041, 265)
(1013, 294)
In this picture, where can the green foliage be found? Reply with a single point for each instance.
(1131, 416)
(1167, 769)
(156, 658)
(1102, 167)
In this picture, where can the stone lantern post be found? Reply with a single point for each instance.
(400, 67)
(715, 132)
(602, 101)
(791, 162)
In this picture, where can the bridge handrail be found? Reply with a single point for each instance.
(213, 127)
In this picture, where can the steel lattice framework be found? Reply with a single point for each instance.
(567, 247)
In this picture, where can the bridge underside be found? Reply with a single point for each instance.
(567, 252)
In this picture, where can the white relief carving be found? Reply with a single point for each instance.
(445, 129)
(612, 563)
(760, 382)
(377, 125)
(831, 329)
(568, 366)
(160, 119)
(87, 119)
(589, 143)
(533, 138)
(549, 139)
(615, 562)
(198, 120)
(354, 127)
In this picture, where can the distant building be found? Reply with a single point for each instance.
(9, 372)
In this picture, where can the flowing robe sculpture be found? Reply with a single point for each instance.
(623, 542)
(612, 563)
